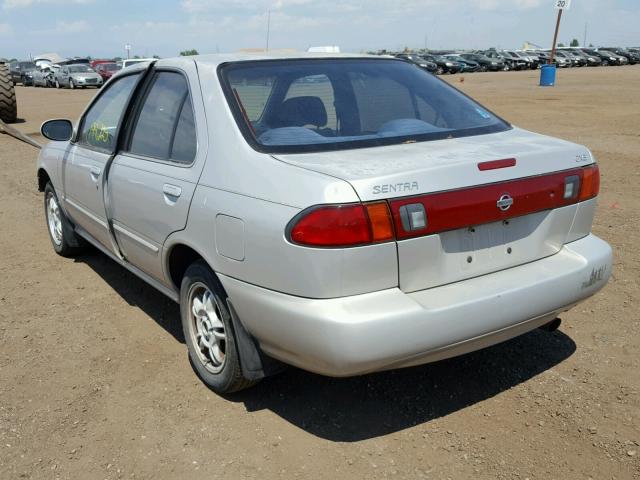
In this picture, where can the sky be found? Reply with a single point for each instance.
(101, 28)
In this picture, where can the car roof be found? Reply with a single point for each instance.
(219, 59)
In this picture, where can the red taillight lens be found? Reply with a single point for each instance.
(332, 226)
(590, 183)
(343, 225)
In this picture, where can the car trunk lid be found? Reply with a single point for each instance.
(491, 201)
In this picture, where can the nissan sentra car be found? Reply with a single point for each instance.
(342, 214)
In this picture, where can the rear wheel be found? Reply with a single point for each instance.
(208, 330)
(63, 238)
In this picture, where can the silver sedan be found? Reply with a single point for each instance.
(77, 76)
(340, 213)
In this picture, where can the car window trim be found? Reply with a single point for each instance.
(136, 110)
(76, 138)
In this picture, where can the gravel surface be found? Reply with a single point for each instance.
(95, 382)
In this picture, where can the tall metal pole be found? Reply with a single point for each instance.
(555, 38)
(268, 28)
(584, 40)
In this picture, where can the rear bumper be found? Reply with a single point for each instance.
(390, 329)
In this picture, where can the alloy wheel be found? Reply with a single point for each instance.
(54, 219)
(206, 328)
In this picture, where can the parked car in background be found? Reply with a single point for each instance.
(444, 65)
(107, 70)
(570, 59)
(607, 58)
(559, 60)
(531, 57)
(591, 60)
(135, 61)
(77, 76)
(43, 77)
(632, 57)
(395, 224)
(467, 65)
(517, 62)
(94, 63)
(486, 63)
(420, 61)
(509, 62)
(523, 60)
(22, 72)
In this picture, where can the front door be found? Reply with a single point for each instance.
(84, 167)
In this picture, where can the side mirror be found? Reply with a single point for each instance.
(57, 130)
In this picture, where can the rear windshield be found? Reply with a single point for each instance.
(317, 105)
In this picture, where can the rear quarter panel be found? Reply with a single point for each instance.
(261, 195)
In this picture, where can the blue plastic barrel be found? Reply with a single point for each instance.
(547, 75)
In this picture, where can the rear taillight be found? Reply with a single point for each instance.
(342, 225)
(590, 183)
(397, 219)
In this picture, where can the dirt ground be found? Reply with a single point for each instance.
(95, 382)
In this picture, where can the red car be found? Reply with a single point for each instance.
(107, 69)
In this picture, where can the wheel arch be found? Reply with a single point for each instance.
(178, 258)
(43, 179)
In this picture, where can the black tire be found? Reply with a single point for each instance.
(68, 244)
(72, 85)
(8, 105)
(484, 68)
(227, 376)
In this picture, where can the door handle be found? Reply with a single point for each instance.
(171, 190)
(95, 171)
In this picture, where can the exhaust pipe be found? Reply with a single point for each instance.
(552, 326)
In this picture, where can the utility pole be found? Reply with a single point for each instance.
(268, 28)
(584, 40)
(555, 38)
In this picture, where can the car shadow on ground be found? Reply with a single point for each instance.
(137, 293)
(369, 406)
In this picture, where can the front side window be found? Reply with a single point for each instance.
(165, 128)
(315, 105)
(101, 123)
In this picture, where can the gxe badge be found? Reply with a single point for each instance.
(505, 202)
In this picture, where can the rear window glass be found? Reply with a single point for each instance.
(315, 105)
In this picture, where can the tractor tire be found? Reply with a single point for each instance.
(8, 107)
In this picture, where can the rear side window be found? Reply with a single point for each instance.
(165, 128)
(101, 123)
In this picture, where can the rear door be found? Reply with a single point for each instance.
(84, 168)
(152, 180)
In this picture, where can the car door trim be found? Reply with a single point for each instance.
(86, 212)
(136, 238)
(169, 292)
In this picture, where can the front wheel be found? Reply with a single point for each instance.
(63, 238)
(208, 330)
(72, 85)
